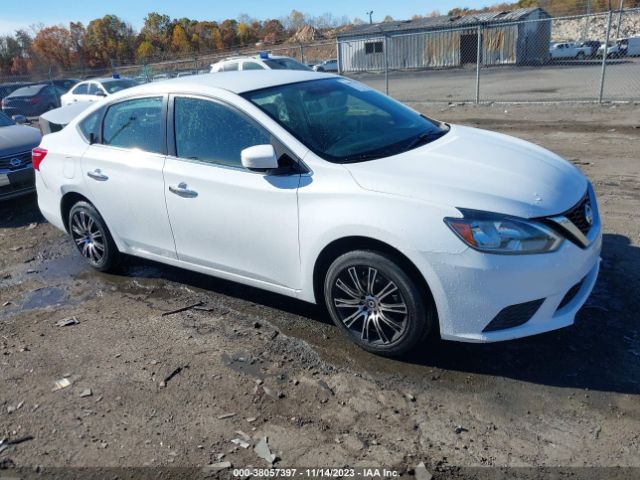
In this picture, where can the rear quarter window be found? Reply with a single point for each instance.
(91, 125)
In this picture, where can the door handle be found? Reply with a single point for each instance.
(97, 175)
(182, 191)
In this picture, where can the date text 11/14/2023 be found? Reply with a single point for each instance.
(316, 472)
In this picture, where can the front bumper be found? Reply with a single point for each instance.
(472, 288)
(15, 183)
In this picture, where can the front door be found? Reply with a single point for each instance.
(225, 217)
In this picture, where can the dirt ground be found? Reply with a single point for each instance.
(268, 366)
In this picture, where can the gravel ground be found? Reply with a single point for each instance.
(148, 389)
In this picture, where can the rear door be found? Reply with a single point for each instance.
(78, 94)
(225, 217)
(123, 172)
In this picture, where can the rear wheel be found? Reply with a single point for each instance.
(92, 238)
(580, 56)
(376, 303)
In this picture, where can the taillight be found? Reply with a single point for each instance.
(4, 103)
(35, 100)
(37, 156)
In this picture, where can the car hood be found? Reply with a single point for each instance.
(481, 170)
(17, 139)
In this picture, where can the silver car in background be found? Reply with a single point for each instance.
(16, 171)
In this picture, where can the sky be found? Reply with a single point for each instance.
(16, 14)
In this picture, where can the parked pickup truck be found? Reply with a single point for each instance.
(568, 50)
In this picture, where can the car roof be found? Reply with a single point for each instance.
(236, 82)
(239, 58)
(105, 79)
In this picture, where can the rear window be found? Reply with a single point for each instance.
(28, 91)
(285, 64)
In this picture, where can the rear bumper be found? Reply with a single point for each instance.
(49, 203)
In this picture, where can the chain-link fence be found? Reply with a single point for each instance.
(196, 63)
(528, 60)
(493, 57)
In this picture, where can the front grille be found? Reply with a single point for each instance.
(23, 159)
(514, 316)
(577, 214)
(570, 295)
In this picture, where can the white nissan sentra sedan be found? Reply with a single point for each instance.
(320, 188)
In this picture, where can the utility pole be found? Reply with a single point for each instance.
(619, 19)
(370, 17)
(587, 21)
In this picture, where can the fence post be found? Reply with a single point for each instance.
(386, 66)
(604, 57)
(339, 56)
(301, 53)
(619, 18)
(478, 60)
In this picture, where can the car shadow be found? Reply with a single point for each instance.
(601, 351)
(20, 212)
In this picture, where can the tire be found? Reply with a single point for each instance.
(580, 56)
(87, 228)
(384, 312)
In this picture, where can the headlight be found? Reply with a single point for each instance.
(502, 234)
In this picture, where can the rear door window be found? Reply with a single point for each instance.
(135, 124)
(82, 89)
(252, 66)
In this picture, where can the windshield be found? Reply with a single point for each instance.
(5, 121)
(114, 86)
(285, 64)
(344, 121)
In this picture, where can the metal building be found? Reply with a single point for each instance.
(516, 37)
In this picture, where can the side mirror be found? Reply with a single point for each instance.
(20, 119)
(259, 157)
(100, 93)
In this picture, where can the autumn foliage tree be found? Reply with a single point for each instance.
(109, 39)
(55, 45)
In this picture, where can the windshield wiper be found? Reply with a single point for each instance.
(361, 157)
(423, 138)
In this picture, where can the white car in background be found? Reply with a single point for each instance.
(96, 89)
(329, 66)
(323, 189)
(264, 61)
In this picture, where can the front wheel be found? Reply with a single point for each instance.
(92, 238)
(376, 303)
